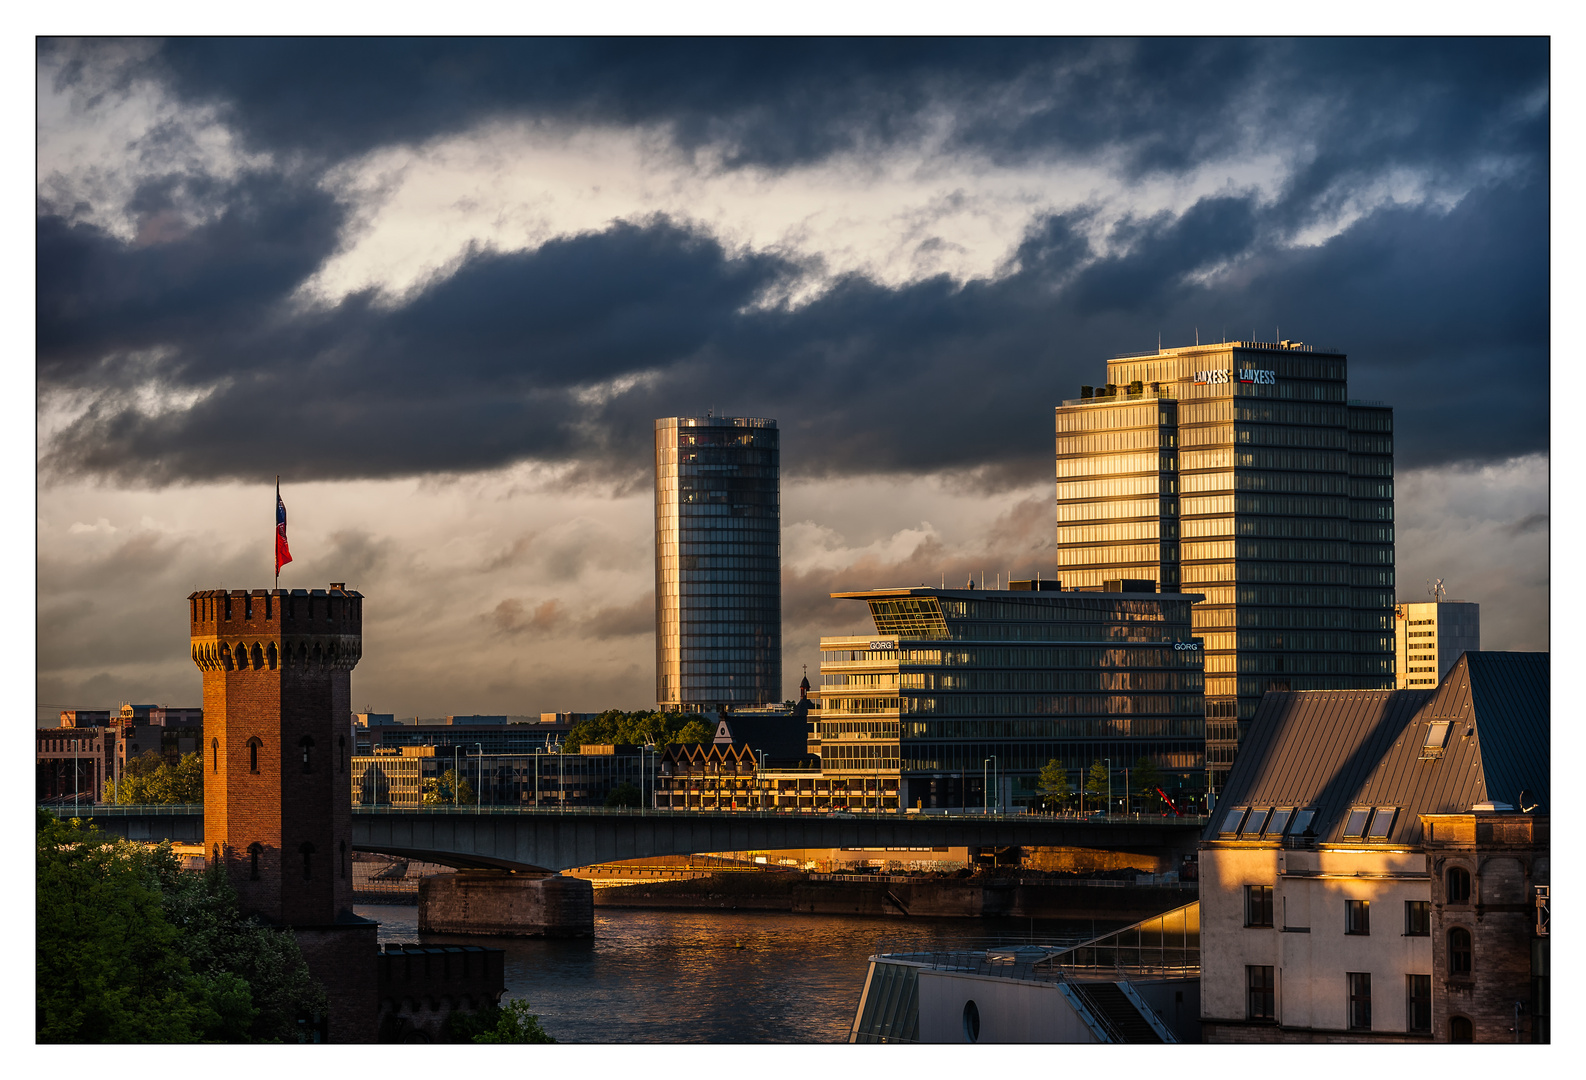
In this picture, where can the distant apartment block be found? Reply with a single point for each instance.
(1429, 637)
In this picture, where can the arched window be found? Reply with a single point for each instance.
(258, 657)
(1459, 1030)
(307, 851)
(253, 754)
(214, 755)
(270, 656)
(215, 861)
(1458, 885)
(1459, 951)
(307, 746)
(254, 849)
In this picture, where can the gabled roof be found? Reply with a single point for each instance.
(1337, 749)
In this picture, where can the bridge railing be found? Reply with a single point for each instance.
(192, 809)
(125, 810)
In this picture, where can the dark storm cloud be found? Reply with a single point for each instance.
(1158, 104)
(1445, 315)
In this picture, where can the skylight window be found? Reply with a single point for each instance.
(1258, 818)
(1355, 827)
(1231, 821)
(1436, 736)
(1302, 823)
(1280, 818)
(1382, 823)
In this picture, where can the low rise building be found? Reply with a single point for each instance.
(1372, 872)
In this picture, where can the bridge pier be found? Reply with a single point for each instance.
(501, 902)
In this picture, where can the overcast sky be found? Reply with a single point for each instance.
(444, 289)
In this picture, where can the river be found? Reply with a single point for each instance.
(712, 976)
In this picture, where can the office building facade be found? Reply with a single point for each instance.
(718, 564)
(961, 697)
(1428, 638)
(1241, 471)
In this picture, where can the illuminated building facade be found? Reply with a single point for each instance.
(1428, 638)
(1244, 472)
(963, 696)
(718, 555)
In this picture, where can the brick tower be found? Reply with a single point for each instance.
(277, 667)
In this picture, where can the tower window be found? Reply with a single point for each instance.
(307, 745)
(307, 851)
(253, 754)
(253, 860)
(1459, 958)
(214, 755)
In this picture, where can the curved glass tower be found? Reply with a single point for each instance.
(718, 562)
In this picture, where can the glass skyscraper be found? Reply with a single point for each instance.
(718, 562)
(1244, 472)
(961, 696)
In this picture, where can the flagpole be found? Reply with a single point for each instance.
(275, 556)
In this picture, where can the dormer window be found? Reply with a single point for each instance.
(1254, 823)
(1382, 823)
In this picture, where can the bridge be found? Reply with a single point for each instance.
(508, 838)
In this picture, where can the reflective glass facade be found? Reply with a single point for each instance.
(1241, 471)
(952, 678)
(718, 555)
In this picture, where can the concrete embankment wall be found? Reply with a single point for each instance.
(935, 898)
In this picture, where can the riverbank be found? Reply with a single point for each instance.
(985, 896)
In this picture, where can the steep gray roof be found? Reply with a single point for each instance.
(1336, 749)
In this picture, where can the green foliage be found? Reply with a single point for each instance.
(438, 792)
(1054, 785)
(148, 779)
(108, 965)
(625, 794)
(1096, 781)
(131, 948)
(515, 1024)
(1145, 778)
(220, 943)
(647, 726)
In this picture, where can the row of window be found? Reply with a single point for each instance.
(306, 850)
(1261, 1004)
(305, 745)
(1357, 914)
(1116, 510)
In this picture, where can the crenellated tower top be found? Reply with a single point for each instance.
(271, 629)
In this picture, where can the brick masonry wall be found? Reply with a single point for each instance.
(421, 986)
(344, 959)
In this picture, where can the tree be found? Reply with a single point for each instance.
(131, 948)
(439, 791)
(1146, 779)
(149, 779)
(1097, 781)
(647, 726)
(515, 1024)
(625, 794)
(1054, 785)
